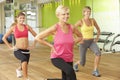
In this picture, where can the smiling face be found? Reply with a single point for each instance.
(63, 16)
(21, 19)
(87, 11)
(62, 13)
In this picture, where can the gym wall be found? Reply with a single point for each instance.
(106, 15)
(48, 12)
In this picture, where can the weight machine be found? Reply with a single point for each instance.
(104, 40)
(114, 42)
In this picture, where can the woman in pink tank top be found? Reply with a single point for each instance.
(62, 49)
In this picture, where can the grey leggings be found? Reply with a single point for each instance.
(83, 49)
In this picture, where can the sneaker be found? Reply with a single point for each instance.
(27, 79)
(19, 73)
(96, 73)
(75, 67)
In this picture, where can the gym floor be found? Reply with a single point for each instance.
(40, 67)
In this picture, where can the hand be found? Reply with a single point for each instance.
(30, 47)
(81, 42)
(96, 40)
(13, 48)
(53, 50)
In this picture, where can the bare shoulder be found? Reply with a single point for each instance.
(78, 23)
(73, 27)
(12, 27)
(28, 26)
(52, 28)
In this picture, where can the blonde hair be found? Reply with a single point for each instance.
(60, 8)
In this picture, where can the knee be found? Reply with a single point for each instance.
(82, 63)
(97, 53)
(70, 72)
(24, 60)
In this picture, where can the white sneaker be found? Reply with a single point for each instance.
(19, 73)
(27, 79)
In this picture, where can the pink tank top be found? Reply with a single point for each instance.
(21, 34)
(63, 44)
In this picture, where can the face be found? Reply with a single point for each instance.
(87, 12)
(21, 19)
(63, 15)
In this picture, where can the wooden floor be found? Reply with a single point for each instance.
(40, 66)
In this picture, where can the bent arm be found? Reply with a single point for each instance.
(78, 34)
(41, 36)
(6, 36)
(98, 30)
(78, 23)
(33, 33)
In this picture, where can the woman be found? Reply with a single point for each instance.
(87, 25)
(62, 49)
(21, 48)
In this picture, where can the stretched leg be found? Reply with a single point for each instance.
(82, 61)
(97, 52)
(96, 62)
(66, 68)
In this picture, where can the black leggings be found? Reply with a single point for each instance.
(66, 68)
(20, 54)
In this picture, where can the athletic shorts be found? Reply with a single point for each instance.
(22, 55)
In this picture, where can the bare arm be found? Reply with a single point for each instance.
(41, 36)
(78, 23)
(33, 33)
(78, 34)
(98, 30)
(6, 36)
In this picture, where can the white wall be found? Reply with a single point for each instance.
(107, 15)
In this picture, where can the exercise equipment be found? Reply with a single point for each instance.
(1, 36)
(104, 40)
(13, 39)
(9, 39)
(114, 42)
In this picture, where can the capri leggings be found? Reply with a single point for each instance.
(22, 55)
(66, 68)
(83, 49)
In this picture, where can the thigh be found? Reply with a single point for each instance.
(83, 49)
(58, 62)
(94, 47)
(21, 56)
